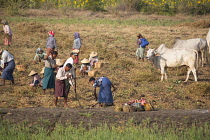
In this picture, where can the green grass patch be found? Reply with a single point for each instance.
(128, 131)
(117, 22)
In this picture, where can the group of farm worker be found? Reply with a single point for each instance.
(58, 75)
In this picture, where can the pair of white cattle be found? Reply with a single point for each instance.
(184, 52)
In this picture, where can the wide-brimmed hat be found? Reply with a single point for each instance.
(93, 54)
(59, 62)
(75, 51)
(42, 71)
(32, 73)
(85, 60)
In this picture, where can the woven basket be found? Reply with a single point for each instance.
(118, 109)
(98, 65)
(21, 67)
(92, 73)
(148, 107)
(126, 108)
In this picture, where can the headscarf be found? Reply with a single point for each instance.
(4, 22)
(76, 35)
(38, 50)
(51, 33)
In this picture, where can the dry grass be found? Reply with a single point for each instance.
(116, 47)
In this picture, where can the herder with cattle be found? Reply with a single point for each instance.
(141, 45)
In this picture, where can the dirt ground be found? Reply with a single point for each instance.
(184, 103)
(96, 117)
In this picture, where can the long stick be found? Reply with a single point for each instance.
(75, 89)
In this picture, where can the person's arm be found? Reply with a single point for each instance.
(46, 56)
(56, 48)
(114, 88)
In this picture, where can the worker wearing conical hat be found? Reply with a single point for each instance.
(93, 58)
(85, 67)
(37, 80)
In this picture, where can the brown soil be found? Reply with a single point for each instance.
(188, 102)
(107, 115)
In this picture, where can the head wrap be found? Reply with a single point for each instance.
(76, 35)
(4, 22)
(38, 50)
(51, 33)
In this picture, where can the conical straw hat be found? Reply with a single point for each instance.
(59, 62)
(32, 73)
(75, 51)
(85, 61)
(93, 54)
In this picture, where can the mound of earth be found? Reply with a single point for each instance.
(197, 24)
(98, 116)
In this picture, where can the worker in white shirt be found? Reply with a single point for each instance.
(60, 86)
(8, 66)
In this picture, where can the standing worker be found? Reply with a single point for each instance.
(105, 94)
(76, 46)
(141, 45)
(9, 66)
(51, 43)
(49, 77)
(60, 86)
(72, 71)
(7, 33)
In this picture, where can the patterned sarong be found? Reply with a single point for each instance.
(49, 78)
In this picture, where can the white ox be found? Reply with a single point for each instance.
(198, 44)
(164, 57)
(208, 39)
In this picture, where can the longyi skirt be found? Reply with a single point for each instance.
(60, 88)
(8, 71)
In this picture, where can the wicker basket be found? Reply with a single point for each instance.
(92, 73)
(149, 107)
(118, 109)
(126, 108)
(21, 67)
(98, 65)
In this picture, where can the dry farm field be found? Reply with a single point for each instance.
(113, 36)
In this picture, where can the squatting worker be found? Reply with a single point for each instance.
(9, 66)
(60, 86)
(50, 65)
(72, 70)
(105, 93)
(51, 43)
(7, 33)
(39, 55)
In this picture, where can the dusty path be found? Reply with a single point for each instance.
(95, 117)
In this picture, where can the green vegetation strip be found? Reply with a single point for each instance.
(127, 131)
(134, 22)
